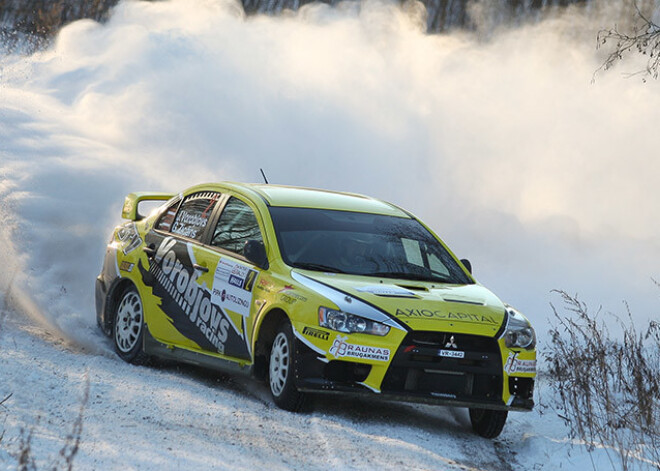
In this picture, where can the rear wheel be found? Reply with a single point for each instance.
(128, 329)
(488, 423)
(281, 370)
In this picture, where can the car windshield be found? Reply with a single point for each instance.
(363, 244)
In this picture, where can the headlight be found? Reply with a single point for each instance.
(519, 332)
(350, 323)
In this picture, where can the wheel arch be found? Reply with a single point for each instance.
(117, 288)
(265, 336)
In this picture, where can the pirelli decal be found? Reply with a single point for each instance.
(316, 333)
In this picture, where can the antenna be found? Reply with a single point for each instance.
(264, 175)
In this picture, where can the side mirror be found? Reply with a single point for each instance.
(255, 252)
(466, 263)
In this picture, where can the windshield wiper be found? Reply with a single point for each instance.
(316, 267)
(409, 276)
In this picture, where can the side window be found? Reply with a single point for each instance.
(194, 214)
(166, 220)
(237, 225)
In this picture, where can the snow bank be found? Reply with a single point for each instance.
(543, 179)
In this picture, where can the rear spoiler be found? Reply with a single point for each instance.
(130, 209)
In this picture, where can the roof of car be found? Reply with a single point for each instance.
(299, 197)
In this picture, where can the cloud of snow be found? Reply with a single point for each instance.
(502, 144)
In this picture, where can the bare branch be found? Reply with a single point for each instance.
(6, 398)
(644, 39)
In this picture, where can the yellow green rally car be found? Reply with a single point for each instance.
(317, 291)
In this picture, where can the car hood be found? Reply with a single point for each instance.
(469, 309)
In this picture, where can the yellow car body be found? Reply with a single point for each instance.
(212, 275)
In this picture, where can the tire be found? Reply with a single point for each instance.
(281, 370)
(128, 327)
(488, 423)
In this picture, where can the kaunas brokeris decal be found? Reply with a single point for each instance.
(188, 304)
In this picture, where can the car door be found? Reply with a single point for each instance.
(178, 311)
(235, 277)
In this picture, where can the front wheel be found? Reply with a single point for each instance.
(281, 371)
(128, 329)
(488, 423)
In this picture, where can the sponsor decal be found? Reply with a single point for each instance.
(451, 354)
(126, 266)
(287, 299)
(342, 349)
(264, 285)
(450, 316)
(232, 286)
(129, 237)
(393, 291)
(515, 365)
(189, 305)
(316, 333)
(289, 296)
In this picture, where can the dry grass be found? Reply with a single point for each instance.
(609, 385)
(64, 460)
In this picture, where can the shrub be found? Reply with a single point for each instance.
(609, 385)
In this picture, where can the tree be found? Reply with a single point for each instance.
(643, 38)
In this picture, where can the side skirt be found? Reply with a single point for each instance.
(155, 348)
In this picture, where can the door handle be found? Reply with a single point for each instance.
(200, 267)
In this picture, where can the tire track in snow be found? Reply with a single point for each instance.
(321, 437)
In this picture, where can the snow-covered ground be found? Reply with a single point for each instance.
(184, 418)
(500, 142)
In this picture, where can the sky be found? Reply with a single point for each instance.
(500, 139)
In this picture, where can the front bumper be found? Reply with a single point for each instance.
(417, 373)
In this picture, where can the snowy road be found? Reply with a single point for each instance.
(180, 417)
(183, 418)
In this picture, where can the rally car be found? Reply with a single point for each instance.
(317, 292)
